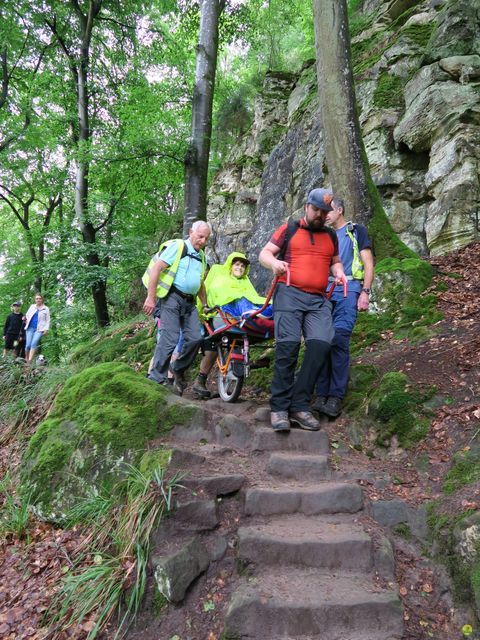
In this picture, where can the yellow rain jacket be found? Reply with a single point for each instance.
(223, 288)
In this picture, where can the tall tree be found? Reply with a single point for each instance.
(197, 156)
(345, 153)
(346, 160)
(77, 53)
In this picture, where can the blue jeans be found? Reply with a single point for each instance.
(333, 377)
(33, 339)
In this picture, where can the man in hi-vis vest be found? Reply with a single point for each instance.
(175, 276)
(357, 258)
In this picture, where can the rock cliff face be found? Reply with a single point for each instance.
(417, 73)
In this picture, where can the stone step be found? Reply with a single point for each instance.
(292, 604)
(329, 497)
(266, 439)
(308, 542)
(221, 485)
(299, 466)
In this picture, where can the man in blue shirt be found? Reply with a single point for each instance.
(331, 386)
(178, 310)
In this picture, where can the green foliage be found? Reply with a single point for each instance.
(403, 530)
(465, 470)
(14, 511)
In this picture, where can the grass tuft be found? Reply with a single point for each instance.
(110, 570)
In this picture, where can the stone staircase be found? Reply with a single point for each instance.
(311, 564)
(306, 567)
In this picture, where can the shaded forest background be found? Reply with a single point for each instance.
(95, 120)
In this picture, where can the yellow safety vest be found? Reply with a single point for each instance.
(358, 270)
(166, 278)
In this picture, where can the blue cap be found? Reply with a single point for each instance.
(321, 198)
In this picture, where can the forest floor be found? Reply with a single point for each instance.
(31, 568)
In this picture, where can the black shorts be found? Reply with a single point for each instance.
(10, 342)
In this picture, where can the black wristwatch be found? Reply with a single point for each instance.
(366, 289)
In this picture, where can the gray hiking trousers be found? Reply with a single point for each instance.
(176, 314)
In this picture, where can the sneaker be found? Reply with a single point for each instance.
(332, 407)
(179, 382)
(279, 421)
(319, 403)
(305, 420)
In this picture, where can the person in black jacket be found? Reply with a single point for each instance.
(14, 330)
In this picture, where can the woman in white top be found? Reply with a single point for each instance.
(37, 323)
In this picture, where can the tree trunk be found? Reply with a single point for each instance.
(346, 160)
(99, 289)
(196, 159)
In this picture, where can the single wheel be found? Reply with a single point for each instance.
(229, 385)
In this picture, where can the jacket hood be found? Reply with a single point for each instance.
(236, 255)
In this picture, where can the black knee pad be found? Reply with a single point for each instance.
(317, 348)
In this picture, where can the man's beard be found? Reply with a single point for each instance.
(317, 223)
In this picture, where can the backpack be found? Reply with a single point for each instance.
(292, 227)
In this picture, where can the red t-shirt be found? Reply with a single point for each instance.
(309, 263)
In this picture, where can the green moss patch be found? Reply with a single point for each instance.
(389, 92)
(130, 342)
(103, 417)
(465, 470)
(388, 404)
(419, 34)
(403, 306)
(397, 409)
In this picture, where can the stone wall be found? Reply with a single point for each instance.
(417, 71)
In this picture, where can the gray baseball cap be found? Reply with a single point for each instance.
(321, 198)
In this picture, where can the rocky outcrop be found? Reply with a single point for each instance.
(417, 70)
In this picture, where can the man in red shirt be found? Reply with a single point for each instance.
(302, 260)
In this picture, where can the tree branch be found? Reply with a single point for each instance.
(52, 24)
(117, 22)
(145, 154)
(111, 210)
(14, 209)
(5, 77)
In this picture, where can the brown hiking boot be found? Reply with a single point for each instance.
(179, 382)
(200, 387)
(319, 403)
(279, 421)
(305, 420)
(332, 407)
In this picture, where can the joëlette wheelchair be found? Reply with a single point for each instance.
(232, 338)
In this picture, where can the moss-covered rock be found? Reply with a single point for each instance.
(400, 303)
(465, 470)
(398, 409)
(456, 542)
(102, 418)
(388, 92)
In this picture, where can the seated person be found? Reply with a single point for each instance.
(229, 287)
